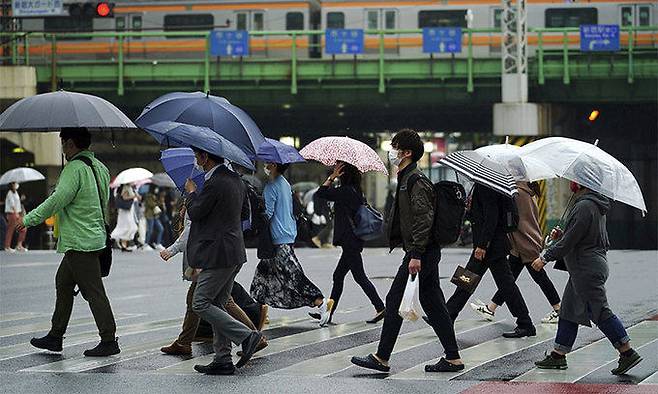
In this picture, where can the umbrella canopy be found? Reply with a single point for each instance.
(482, 170)
(180, 134)
(161, 179)
(329, 150)
(53, 111)
(179, 164)
(131, 175)
(589, 166)
(20, 175)
(522, 168)
(201, 109)
(273, 151)
(303, 187)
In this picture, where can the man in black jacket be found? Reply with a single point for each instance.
(410, 225)
(491, 250)
(216, 246)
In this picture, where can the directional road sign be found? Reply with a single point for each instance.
(599, 38)
(37, 7)
(229, 43)
(442, 39)
(343, 41)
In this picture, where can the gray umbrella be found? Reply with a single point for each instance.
(53, 111)
(163, 180)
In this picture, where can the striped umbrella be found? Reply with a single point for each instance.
(482, 170)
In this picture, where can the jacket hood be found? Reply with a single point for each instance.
(602, 202)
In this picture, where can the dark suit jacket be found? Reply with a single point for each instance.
(347, 202)
(216, 239)
(488, 217)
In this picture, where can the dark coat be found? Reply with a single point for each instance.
(216, 239)
(488, 218)
(347, 201)
(584, 246)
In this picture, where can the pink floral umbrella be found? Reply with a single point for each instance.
(329, 150)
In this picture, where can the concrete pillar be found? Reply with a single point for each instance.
(17, 82)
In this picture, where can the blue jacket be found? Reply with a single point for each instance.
(278, 207)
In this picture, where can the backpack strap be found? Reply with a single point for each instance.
(87, 161)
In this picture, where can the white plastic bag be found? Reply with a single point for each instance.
(410, 306)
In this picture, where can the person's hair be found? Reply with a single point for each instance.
(407, 139)
(212, 157)
(79, 135)
(351, 177)
(281, 168)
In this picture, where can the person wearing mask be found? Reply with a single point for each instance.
(152, 212)
(411, 224)
(14, 212)
(280, 281)
(347, 198)
(527, 243)
(82, 235)
(126, 227)
(582, 250)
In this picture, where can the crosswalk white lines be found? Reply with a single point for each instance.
(481, 354)
(589, 358)
(336, 362)
(9, 317)
(653, 379)
(45, 325)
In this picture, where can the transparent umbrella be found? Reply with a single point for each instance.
(522, 168)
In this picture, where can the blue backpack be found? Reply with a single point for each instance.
(368, 223)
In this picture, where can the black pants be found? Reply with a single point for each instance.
(244, 300)
(350, 260)
(431, 299)
(496, 261)
(540, 277)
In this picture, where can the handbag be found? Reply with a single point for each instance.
(409, 307)
(105, 256)
(465, 279)
(368, 223)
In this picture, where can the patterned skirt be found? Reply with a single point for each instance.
(280, 282)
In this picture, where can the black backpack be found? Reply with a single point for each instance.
(449, 210)
(511, 215)
(256, 211)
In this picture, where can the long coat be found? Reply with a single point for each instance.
(583, 246)
(526, 241)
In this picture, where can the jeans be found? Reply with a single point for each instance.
(540, 277)
(150, 223)
(612, 328)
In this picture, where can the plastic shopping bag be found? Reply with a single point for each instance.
(410, 306)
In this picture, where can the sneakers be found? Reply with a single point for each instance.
(325, 311)
(483, 311)
(249, 347)
(48, 342)
(551, 362)
(215, 368)
(104, 349)
(10, 250)
(177, 349)
(551, 318)
(378, 317)
(370, 362)
(159, 247)
(626, 363)
(444, 366)
(21, 249)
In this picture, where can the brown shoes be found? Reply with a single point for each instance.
(176, 349)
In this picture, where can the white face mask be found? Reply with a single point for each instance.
(393, 157)
(267, 171)
(17, 186)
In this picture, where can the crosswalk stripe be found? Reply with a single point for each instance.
(45, 325)
(8, 317)
(335, 362)
(281, 344)
(480, 354)
(653, 379)
(589, 358)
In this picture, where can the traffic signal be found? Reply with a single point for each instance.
(101, 9)
(593, 115)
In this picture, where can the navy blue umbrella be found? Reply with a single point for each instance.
(176, 134)
(201, 109)
(179, 164)
(273, 151)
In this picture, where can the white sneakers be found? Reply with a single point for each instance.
(159, 247)
(551, 318)
(325, 311)
(482, 309)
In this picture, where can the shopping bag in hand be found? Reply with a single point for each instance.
(410, 306)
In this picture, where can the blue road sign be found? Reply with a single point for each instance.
(599, 38)
(229, 43)
(442, 39)
(343, 41)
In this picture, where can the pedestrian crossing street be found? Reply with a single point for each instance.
(297, 347)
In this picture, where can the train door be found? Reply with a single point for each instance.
(383, 19)
(636, 15)
(250, 20)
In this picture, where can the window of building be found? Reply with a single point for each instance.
(453, 18)
(294, 21)
(55, 24)
(178, 22)
(570, 17)
(335, 20)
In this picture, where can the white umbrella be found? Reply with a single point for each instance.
(131, 175)
(20, 175)
(589, 166)
(522, 168)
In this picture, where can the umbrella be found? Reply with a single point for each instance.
(329, 150)
(482, 170)
(254, 181)
(163, 180)
(180, 134)
(273, 151)
(589, 166)
(20, 175)
(304, 187)
(53, 111)
(131, 175)
(179, 164)
(522, 168)
(202, 109)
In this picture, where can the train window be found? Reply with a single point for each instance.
(644, 17)
(390, 19)
(335, 20)
(67, 24)
(372, 19)
(241, 21)
(188, 22)
(137, 23)
(627, 16)
(259, 23)
(456, 18)
(497, 18)
(294, 21)
(120, 23)
(570, 17)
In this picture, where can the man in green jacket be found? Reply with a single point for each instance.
(80, 219)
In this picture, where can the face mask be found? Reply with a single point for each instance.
(574, 187)
(17, 186)
(267, 171)
(393, 157)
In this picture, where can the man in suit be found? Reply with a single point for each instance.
(216, 246)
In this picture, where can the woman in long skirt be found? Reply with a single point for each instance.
(126, 227)
(280, 281)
